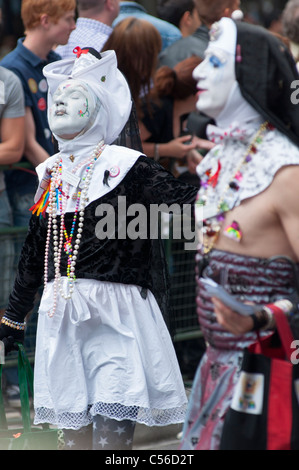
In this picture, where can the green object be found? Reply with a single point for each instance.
(28, 437)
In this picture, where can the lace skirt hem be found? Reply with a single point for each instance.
(149, 417)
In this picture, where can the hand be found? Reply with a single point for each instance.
(203, 144)
(179, 148)
(194, 157)
(232, 321)
(9, 337)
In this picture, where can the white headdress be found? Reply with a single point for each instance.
(106, 82)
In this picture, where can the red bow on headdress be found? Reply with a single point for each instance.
(80, 51)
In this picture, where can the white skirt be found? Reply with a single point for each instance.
(106, 351)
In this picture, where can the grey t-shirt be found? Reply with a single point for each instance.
(11, 101)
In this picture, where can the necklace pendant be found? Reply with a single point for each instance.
(233, 231)
(68, 248)
(72, 158)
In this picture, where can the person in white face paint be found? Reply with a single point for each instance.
(215, 78)
(245, 213)
(104, 357)
(73, 105)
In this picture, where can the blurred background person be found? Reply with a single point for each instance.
(182, 13)
(12, 141)
(196, 43)
(290, 27)
(163, 121)
(168, 32)
(93, 25)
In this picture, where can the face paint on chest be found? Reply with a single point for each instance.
(72, 108)
(215, 78)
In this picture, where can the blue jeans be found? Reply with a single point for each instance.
(21, 204)
(7, 250)
(20, 201)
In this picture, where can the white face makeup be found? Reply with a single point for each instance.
(215, 77)
(72, 107)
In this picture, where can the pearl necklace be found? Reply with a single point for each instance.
(56, 202)
(210, 227)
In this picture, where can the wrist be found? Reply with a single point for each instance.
(265, 320)
(260, 320)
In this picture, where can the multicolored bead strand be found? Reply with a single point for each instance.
(57, 202)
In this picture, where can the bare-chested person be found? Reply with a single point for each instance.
(247, 207)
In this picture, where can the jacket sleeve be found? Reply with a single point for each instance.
(152, 184)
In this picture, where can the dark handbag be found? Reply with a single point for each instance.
(264, 413)
(28, 437)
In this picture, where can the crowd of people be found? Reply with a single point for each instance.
(106, 102)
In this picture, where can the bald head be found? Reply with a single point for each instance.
(86, 5)
(104, 11)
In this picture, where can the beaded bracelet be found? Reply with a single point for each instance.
(13, 324)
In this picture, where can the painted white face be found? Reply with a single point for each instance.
(215, 77)
(72, 107)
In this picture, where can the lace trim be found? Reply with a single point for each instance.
(149, 417)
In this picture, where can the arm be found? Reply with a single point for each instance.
(175, 148)
(12, 123)
(285, 192)
(12, 131)
(33, 150)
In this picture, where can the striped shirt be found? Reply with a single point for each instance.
(88, 33)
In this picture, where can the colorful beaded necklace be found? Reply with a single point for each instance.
(57, 201)
(209, 227)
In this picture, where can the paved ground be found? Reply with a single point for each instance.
(157, 438)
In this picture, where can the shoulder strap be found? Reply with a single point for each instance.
(284, 330)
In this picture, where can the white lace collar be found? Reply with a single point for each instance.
(272, 153)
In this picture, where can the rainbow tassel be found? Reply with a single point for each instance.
(40, 207)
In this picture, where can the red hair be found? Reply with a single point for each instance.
(32, 10)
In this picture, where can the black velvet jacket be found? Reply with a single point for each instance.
(113, 259)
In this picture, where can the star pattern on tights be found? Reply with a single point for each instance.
(108, 432)
(107, 435)
(120, 430)
(70, 443)
(103, 442)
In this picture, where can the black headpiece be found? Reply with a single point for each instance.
(266, 72)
